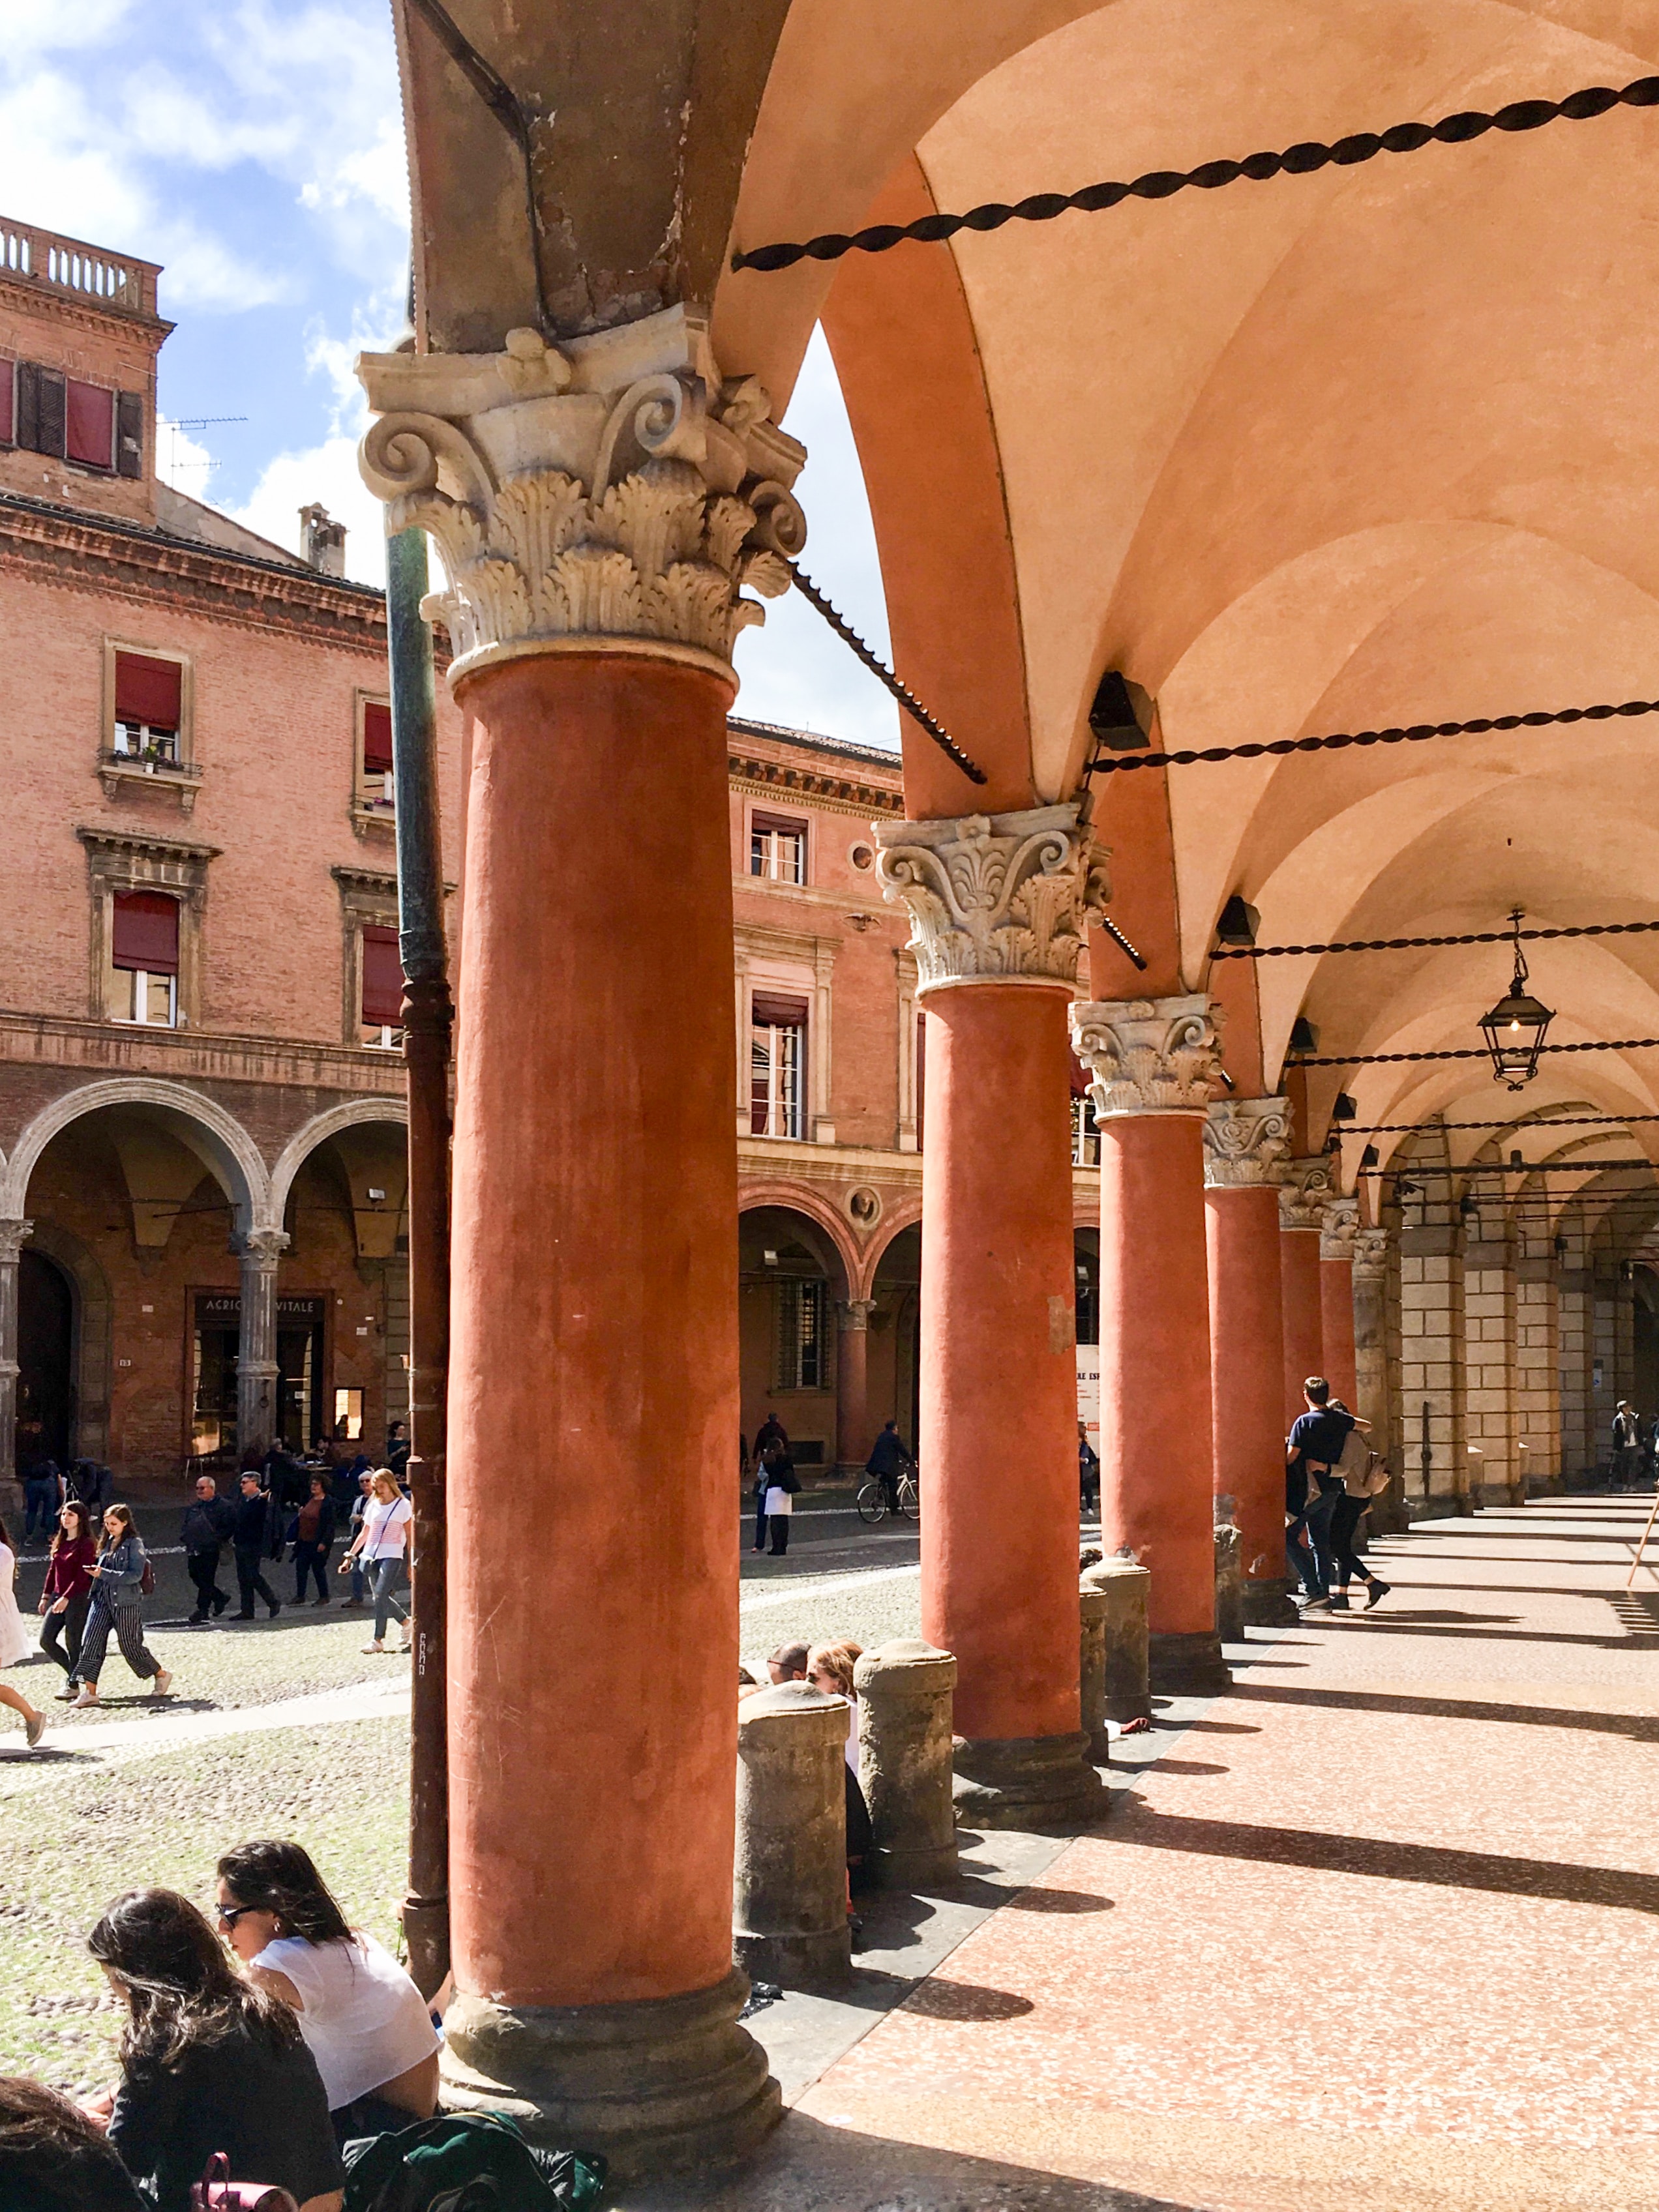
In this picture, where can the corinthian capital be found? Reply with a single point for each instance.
(14, 1235)
(611, 492)
(1338, 1228)
(1244, 1141)
(1370, 1254)
(1148, 1055)
(262, 1249)
(997, 897)
(1307, 1188)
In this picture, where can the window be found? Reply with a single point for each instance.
(148, 708)
(777, 1054)
(374, 786)
(382, 996)
(90, 425)
(46, 412)
(348, 1416)
(144, 953)
(802, 1336)
(8, 402)
(777, 849)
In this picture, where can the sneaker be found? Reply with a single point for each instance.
(35, 1729)
(1318, 1603)
(89, 1697)
(1378, 1590)
(373, 1646)
(68, 1694)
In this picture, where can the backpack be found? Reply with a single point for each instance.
(467, 2162)
(1363, 1473)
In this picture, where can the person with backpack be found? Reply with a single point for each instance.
(121, 1580)
(1313, 1490)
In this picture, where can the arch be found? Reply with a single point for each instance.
(795, 1198)
(351, 1114)
(904, 1213)
(200, 1124)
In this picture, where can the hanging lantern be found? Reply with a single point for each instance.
(1515, 1028)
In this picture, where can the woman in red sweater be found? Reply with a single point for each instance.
(68, 1591)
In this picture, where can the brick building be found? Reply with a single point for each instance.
(202, 1238)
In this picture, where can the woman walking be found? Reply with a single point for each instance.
(383, 1541)
(782, 1484)
(67, 1598)
(314, 1538)
(14, 1643)
(366, 2024)
(118, 1591)
(209, 2063)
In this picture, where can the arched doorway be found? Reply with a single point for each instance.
(46, 1361)
(895, 1335)
(790, 1278)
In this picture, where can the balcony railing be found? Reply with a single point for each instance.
(70, 267)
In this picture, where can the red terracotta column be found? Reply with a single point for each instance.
(1336, 1299)
(852, 1437)
(593, 1373)
(1302, 1199)
(997, 904)
(1245, 1140)
(1151, 1060)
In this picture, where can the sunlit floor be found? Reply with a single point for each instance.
(1379, 1929)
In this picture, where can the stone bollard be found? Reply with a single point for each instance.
(905, 1690)
(1229, 1583)
(1125, 1585)
(790, 1887)
(1091, 1670)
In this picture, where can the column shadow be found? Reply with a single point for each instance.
(1638, 1727)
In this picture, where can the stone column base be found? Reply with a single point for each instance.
(820, 1961)
(660, 2085)
(1188, 1666)
(923, 1868)
(1268, 1602)
(1043, 1784)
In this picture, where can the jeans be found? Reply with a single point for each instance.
(250, 1579)
(1317, 1521)
(61, 1634)
(1344, 1521)
(310, 1560)
(202, 1568)
(389, 1576)
(40, 1503)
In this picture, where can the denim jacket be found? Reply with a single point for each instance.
(121, 1573)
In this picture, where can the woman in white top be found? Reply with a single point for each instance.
(364, 2021)
(383, 1541)
(14, 1643)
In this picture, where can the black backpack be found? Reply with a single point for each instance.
(467, 2162)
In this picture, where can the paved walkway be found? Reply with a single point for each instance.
(1378, 1929)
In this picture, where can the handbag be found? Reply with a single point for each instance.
(217, 2192)
(147, 1580)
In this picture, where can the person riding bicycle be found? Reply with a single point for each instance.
(887, 1461)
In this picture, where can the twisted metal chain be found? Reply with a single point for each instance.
(1426, 944)
(1299, 160)
(879, 668)
(1468, 1051)
(1565, 1121)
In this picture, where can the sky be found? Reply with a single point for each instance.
(254, 148)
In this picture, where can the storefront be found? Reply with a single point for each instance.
(303, 1398)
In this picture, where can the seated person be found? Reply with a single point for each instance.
(53, 2159)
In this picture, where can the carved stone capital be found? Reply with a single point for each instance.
(260, 1249)
(14, 1235)
(1337, 1231)
(1370, 1254)
(612, 493)
(855, 1312)
(1148, 1055)
(1307, 1188)
(1245, 1140)
(1000, 899)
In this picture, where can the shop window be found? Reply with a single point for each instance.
(803, 1336)
(777, 849)
(90, 425)
(376, 790)
(149, 715)
(380, 994)
(144, 954)
(777, 1062)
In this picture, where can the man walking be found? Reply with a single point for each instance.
(1626, 1446)
(1089, 1472)
(1312, 1488)
(203, 1532)
(248, 1542)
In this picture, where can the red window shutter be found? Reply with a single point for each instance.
(149, 690)
(772, 1011)
(147, 932)
(376, 738)
(382, 977)
(1079, 1077)
(8, 402)
(90, 425)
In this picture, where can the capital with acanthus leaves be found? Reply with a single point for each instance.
(1245, 1141)
(1148, 1055)
(1001, 898)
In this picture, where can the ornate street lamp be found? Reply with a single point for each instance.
(1515, 1028)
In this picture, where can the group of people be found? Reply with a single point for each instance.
(1325, 1498)
(378, 1519)
(829, 1668)
(777, 1484)
(1635, 1449)
(271, 2043)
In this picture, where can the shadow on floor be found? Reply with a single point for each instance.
(1391, 1860)
(1639, 1727)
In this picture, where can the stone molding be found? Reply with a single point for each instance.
(1148, 1055)
(1245, 1140)
(1307, 1188)
(14, 1235)
(1002, 898)
(1337, 1231)
(614, 492)
(1370, 1254)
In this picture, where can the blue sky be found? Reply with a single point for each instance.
(255, 149)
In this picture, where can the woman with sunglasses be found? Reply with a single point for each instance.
(366, 2023)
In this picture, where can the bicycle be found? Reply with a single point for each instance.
(875, 1506)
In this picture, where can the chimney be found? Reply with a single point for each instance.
(322, 541)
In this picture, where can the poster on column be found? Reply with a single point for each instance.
(1089, 1393)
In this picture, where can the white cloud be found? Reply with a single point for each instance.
(183, 461)
(326, 473)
